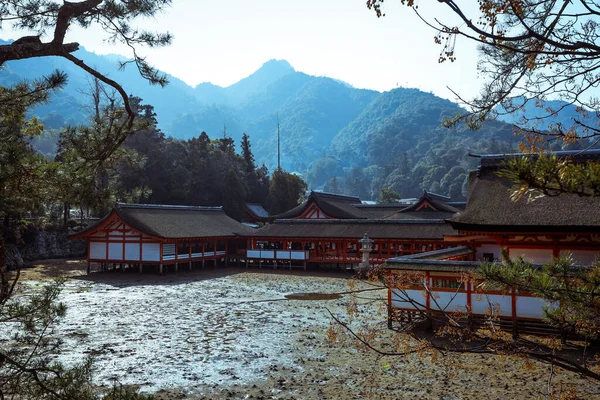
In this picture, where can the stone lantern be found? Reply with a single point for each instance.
(366, 246)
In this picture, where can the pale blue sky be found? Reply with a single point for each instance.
(224, 41)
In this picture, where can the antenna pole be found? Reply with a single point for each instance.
(278, 145)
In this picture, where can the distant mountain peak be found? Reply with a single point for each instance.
(279, 65)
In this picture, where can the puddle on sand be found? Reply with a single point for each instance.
(207, 332)
(313, 296)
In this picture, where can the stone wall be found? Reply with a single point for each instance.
(53, 245)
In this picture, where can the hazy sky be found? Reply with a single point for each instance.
(224, 41)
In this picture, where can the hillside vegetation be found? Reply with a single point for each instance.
(337, 137)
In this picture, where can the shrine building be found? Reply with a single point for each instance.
(538, 231)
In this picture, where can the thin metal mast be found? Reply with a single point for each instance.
(278, 145)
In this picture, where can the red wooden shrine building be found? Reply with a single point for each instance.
(538, 231)
(326, 229)
(145, 235)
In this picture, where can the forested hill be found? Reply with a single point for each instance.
(337, 137)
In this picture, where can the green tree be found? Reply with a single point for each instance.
(114, 17)
(27, 370)
(387, 195)
(332, 186)
(285, 191)
(531, 53)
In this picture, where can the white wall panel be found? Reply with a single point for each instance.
(253, 253)
(299, 255)
(582, 257)
(132, 251)
(502, 305)
(399, 300)
(449, 301)
(115, 251)
(530, 307)
(267, 254)
(537, 256)
(97, 251)
(489, 248)
(151, 251)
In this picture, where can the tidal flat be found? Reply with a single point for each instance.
(233, 334)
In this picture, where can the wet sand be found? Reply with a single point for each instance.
(233, 334)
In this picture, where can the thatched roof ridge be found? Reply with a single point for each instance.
(175, 222)
(490, 208)
(334, 205)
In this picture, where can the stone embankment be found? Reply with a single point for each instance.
(45, 245)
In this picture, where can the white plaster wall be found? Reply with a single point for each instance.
(97, 251)
(299, 255)
(449, 301)
(132, 251)
(501, 305)
(253, 253)
(489, 248)
(400, 301)
(530, 307)
(283, 254)
(582, 257)
(151, 251)
(537, 256)
(115, 251)
(267, 254)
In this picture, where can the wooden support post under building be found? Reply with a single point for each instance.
(122, 267)
(176, 267)
(190, 266)
(88, 267)
(160, 269)
(141, 268)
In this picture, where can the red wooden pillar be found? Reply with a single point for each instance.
(107, 243)
(123, 249)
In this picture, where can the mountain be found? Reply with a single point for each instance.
(170, 102)
(538, 112)
(354, 141)
(399, 141)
